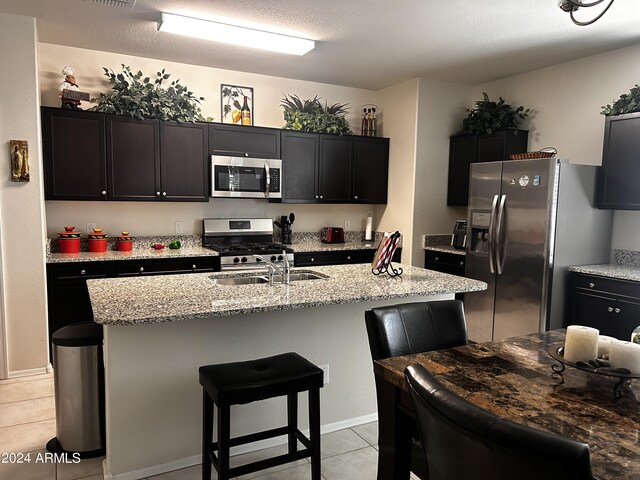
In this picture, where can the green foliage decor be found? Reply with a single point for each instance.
(311, 116)
(627, 103)
(488, 116)
(143, 97)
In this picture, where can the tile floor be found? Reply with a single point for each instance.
(27, 422)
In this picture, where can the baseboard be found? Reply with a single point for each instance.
(272, 442)
(30, 371)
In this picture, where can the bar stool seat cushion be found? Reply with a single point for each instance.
(249, 381)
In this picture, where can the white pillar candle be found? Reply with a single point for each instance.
(581, 344)
(603, 345)
(625, 355)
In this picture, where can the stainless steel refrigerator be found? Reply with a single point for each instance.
(528, 221)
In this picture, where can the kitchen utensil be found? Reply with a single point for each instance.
(292, 217)
(332, 235)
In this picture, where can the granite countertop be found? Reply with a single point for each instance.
(447, 249)
(611, 270)
(135, 254)
(317, 246)
(166, 298)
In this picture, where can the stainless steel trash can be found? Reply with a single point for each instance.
(78, 375)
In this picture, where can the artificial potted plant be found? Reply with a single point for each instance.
(488, 116)
(311, 116)
(143, 97)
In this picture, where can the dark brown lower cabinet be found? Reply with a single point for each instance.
(445, 262)
(68, 297)
(610, 305)
(339, 257)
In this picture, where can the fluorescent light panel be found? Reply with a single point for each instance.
(234, 35)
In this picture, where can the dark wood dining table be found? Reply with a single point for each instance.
(513, 378)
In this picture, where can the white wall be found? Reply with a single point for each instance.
(21, 204)
(441, 108)
(143, 218)
(567, 100)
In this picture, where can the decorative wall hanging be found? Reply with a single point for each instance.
(236, 104)
(19, 155)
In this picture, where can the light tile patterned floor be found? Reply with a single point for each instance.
(27, 423)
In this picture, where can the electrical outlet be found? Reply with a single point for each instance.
(91, 226)
(325, 369)
(347, 224)
(179, 227)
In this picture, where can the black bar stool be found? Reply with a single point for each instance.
(238, 383)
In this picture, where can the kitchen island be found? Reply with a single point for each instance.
(160, 329)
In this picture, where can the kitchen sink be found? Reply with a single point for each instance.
(296, 276)
(257, 279)
(240, 280)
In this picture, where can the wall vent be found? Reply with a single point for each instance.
(114, 3)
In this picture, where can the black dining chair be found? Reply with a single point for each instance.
(462, 441)
(409, 328)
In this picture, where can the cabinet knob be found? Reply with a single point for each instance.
(142, 269)
(348, 257)
(462, 264)
(617, 310)
(321, 197)
(313, 259)
(437, 259)
(355, 197)
(103, 193)
(157, 194)
(193, 267)
(316, 196)
(82, 272)
(610, 309)
(246, 154)
(591, 284)
(164, 194)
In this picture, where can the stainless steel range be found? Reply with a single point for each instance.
(240, 240)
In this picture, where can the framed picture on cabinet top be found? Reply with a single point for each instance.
(236, 104)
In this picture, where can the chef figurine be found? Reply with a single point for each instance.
(68, 84)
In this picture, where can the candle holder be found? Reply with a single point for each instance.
(598, 366)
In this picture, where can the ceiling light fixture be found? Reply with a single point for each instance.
(234, 35)
(573, 5)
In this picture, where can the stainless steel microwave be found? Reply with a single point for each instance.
(239, 177)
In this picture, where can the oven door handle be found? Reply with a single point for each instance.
(268, 180)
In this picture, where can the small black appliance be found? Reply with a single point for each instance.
(459, 236)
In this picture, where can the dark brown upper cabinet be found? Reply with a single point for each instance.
(335, 169)
(133, 153)
(184, 161)
(300, 166)
(618, 185)
(370, 170)
(322, 168)
(75, 164)
(92, 156)
(241, 141)
(467, 149)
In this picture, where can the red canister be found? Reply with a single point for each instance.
(125, 242)
(97, 241)
(69, 240)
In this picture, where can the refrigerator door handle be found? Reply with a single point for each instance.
(492, 222)
(500, 245)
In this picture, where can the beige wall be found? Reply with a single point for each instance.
(441, 107)
(567, 100)
(144, 218)
(21, 204)
(399, 106)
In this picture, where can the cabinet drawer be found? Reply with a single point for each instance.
(331, 258)
(75, 271)
(446, 259)
(612, 285)
(167, 267)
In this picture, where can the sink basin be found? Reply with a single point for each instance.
(257, 279)
(296, 276)
(240, 280)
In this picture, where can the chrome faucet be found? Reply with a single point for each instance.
(272, 268)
